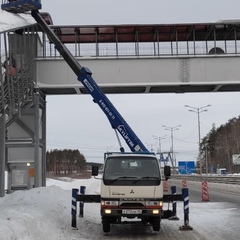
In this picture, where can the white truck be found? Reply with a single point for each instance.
(131, 190)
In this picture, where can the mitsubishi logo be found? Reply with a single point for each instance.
(132, 191)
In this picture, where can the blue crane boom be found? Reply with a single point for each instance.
(84, 75)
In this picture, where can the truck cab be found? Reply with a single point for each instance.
(131, 189)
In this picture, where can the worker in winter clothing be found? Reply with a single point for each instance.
(11, 69)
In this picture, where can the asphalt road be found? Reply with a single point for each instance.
(215, 195)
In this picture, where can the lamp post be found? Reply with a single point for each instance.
(149, 145)
(198, 111)
(159, 141)
(171, 129)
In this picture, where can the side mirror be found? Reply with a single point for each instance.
(95, 170)
(167, 172)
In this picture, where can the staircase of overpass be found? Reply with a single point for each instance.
(158, 58)
(16, 91)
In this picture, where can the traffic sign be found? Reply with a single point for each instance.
(236, 159)
(186, 167)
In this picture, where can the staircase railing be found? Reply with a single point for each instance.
(15, 92)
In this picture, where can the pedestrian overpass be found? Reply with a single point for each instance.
(145, 58)
(169, 58)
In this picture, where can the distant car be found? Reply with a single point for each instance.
(222, 171)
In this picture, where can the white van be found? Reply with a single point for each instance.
(221, 171)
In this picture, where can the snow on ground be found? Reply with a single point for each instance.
(45, 214)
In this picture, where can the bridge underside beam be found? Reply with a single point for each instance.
(147, 75)
(146, 89)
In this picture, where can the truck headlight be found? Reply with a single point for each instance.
(155, 211)
(108, 211)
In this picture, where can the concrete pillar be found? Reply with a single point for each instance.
(37, 161)
(44, 147)
(2, 154)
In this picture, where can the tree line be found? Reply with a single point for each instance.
(219, 145)
(64, 162)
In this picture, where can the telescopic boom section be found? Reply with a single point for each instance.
(84, 75)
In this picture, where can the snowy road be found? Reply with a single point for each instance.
(45, 214)
(169, 230)
(211, 221)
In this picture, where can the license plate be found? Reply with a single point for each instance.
(132, 211)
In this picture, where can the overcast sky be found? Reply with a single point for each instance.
(76, 122)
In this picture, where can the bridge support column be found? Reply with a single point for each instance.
(2, 154)
(44, 146)
(26, 145)
(37, 162)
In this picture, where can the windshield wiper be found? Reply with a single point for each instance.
(146, 177)
(118, 178)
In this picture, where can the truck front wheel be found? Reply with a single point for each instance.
(156, 223)
(106, 224)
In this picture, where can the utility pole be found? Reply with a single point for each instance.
(198, 111)
(159, 142)
(171, 129)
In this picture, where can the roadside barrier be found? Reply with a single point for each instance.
(74, 208)
(186, 210)
(81, 203)
(174, 205)
(165, 186)
(184, 183)
(205, 195)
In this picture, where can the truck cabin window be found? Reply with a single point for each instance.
(131, 169)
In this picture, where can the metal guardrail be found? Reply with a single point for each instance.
(17, 73)
(16, 92)
(226, 179)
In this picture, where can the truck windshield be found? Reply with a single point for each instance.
(131, 168)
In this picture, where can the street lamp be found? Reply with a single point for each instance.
(149, 145)
(172, 129)
(198, 111)
(159, 141)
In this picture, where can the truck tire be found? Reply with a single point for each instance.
(106, 224)
(156, 223)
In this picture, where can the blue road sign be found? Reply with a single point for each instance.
(212, 169)
(186, 167)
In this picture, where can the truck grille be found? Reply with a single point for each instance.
(132, 204)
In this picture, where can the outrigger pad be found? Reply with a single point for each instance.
(167, 214)
(21, 6)
(185, 228)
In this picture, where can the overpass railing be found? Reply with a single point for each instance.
(159, 41)
(166, 49)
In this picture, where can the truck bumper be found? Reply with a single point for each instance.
(131, 213)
